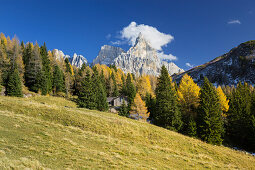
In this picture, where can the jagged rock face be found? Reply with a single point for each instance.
(228, 69)
(76, 60)
(139, 59)
(172, 68)
(58, 54)
(107, 55)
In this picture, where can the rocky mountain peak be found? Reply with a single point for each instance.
(139, 59)
(75, 60)
(78, 60)
(140, 39)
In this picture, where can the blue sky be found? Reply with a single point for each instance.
(202, 29)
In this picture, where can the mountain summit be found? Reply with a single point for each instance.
(139, 59)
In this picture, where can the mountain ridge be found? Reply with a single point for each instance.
(228, 69)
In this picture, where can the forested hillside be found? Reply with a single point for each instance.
(217, 115)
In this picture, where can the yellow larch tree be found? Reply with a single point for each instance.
(17, 54)
(153, 81)
(9, 45)
(106, 71)
(71, 68)
(138, 109)
(144, 86)
(223, 101)
(3, 39)
(188, 94)
(118, 76)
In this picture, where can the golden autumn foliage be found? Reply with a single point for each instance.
(118, 76)
(138, 108)
(3, 39)
(188, 93)
(144, 86)
(71, 67)
(18, 55)
(223, 101)
(153, 81)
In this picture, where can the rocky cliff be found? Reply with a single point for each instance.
(107, 55)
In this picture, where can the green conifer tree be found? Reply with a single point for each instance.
(98, 91)
(130, 90)
(13, 84)
(151, 105)
(209, 120)
(101, 102)
(191, 126)
(123, 90)
(240, 117)
(102, 79)
(58, 80)
(33, 69)
(115, 87)
(86, 96)
(46, 71)
(167, 112)
(123, 111)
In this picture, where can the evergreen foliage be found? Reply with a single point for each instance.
(58, 80)
(46, 85)
(150, 104)
(13, 84)
(167, 113)
(123, 90)
(130, 90)
(99, 92)
(241, 117)
(102, 79)
(123, 111)
(115, 87)
(33, 68)
(209, 120)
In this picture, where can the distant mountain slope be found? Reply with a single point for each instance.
(236, 65)
(107, 54)
(50, 132)
(139, 59)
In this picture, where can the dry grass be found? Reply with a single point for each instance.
(50, 132)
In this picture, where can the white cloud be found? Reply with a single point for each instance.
(108, 36)
(156, 39)
(118, 42)
(189, 65)
(234, 22)
(166, 57)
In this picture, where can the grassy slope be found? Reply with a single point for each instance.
(48, 132)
